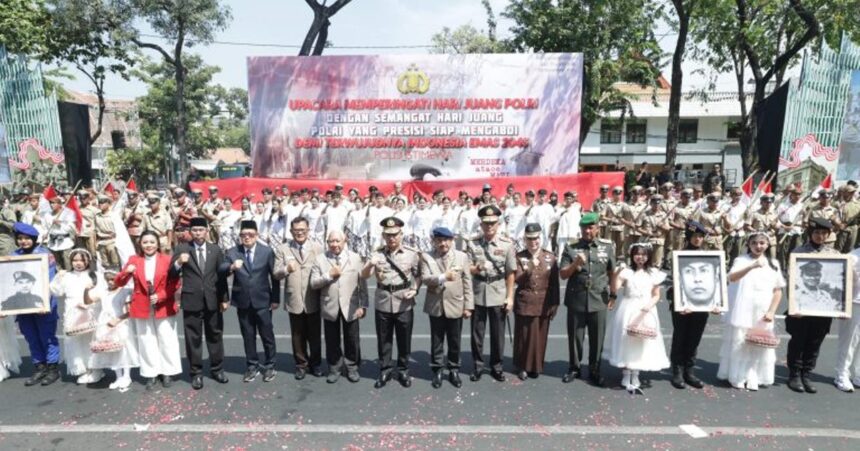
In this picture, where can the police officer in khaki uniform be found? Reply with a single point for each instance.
(680, 214)
(764, 220)
(714, 221)
(850, 213)
(590, 266)
(632, 215)
(449, 300)
(105, 232)
(614, 217)
(397, 270)
(493, 267)
(824, 210)
(86, 239)
(653, 226)
(158, 220)
(599, 206)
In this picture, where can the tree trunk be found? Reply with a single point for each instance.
(322, 37)
(179, 75)
(677, 83)
(312, 34)
(100, 120)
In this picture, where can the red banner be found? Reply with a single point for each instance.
(585, 184)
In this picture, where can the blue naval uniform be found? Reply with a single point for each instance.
(40, 330)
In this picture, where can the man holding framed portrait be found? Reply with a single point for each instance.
(809, 300)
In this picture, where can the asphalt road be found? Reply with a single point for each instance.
(539, 413)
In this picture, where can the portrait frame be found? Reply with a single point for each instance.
(831, 267)
(37, 266)
(681, 259)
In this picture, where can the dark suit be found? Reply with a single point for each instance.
(203, 288)
(254, 290)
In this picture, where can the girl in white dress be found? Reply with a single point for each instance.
(755, 290)
(81, 289)
(639, 291)
(113, 325)
(10, 355)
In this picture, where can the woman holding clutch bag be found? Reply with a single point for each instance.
(535, 303)
(634, 310)
(755, 290)
(153, 311)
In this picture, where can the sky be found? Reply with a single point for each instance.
(360, 23)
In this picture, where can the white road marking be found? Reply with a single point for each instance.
(406, 429)
(693, 431)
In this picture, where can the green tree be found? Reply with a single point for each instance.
(181, 23)
(22, 26)
(83, 35)
(464, 39)
(762, 40)
(143, 164)
(614, 36)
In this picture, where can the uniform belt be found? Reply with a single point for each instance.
(393, 288)
(488, 279)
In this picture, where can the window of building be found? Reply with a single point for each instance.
(636, 132)
(610, 131)
(688, 131)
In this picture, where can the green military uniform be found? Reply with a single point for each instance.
(586, 298)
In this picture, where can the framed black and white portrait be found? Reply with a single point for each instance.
(820, 285)
(24, 285)
(699, 281)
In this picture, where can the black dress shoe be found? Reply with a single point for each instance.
(166, 381)
(300, 373)
(151, 383)
(570, 376)
(220, 377)
(807, 386)
(317, 372)
(678, 378)
(197, 382)
(795, 385)
(454, 378)
(437, 379)
(476, 376)
(533, 374)
(251, 374)
(269, 375)
(691, 378)
(41, 372)
(522, 375)
(353, 376)
(382, 380)
(498, 376)
(404, 380)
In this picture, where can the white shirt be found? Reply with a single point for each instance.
(149, 267)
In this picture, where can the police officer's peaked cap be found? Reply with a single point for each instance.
(391, 225)
(19, 275)
(532, 230)
(812, 267)
(489, 213)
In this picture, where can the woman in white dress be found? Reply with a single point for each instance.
(10, 355)
(114, 326)
(755, 290)
(227, 219)
(639, 291)
(81, 289)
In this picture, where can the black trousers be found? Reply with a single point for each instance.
(306, 338)
(347, 356)
(442, 329)
(389, 325)
(210, 322)
(577, 323)
(686, 335)
(807, 335)
(496, 317)
(252, 322)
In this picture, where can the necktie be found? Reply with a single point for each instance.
(301, 253)
(201, 257)
(248, 258)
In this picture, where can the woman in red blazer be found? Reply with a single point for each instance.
(153, 311)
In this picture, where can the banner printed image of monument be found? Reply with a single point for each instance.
(849, 155)
(414, 116)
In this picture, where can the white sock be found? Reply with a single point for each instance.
(634, 378)
(625, 378)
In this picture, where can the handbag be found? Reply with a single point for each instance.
(110, 341)
(636, 329)
(85, 324)
(761, 337)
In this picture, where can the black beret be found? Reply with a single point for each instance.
(695, 227)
